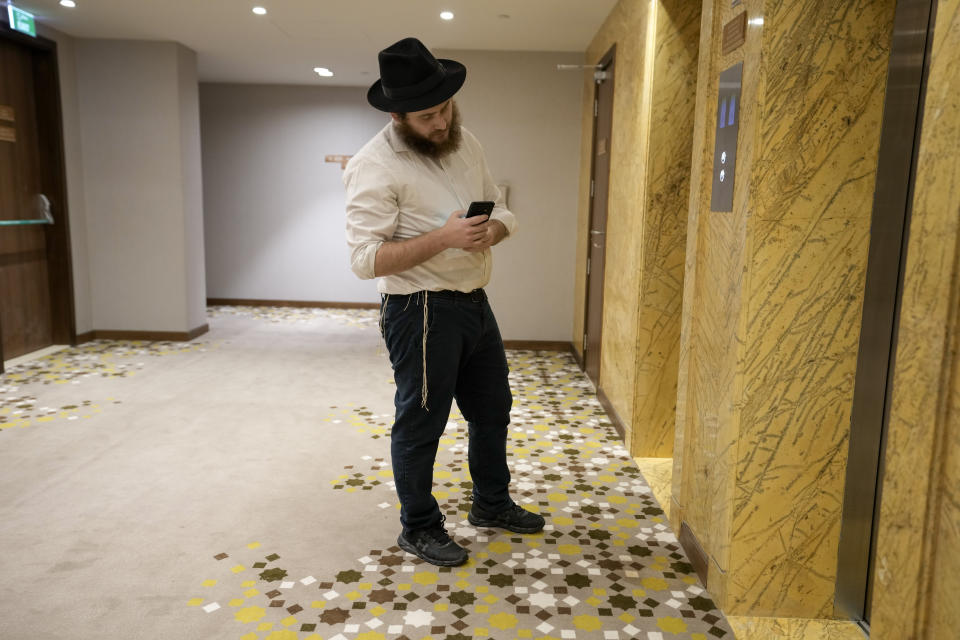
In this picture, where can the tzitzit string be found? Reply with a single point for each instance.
(424, 392)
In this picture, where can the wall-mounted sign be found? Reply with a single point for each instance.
(343, 160)
(735, 33)
(725, 149)
(21, 21)
(7, 113)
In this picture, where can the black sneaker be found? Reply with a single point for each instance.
(513, 518)
(434, 546)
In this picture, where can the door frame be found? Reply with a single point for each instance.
(605, 62)
(892, 204)
(46, 79)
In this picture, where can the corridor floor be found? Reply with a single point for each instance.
(239, 487)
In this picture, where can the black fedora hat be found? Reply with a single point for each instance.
(411, 79)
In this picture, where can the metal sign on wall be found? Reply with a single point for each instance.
(725, 148)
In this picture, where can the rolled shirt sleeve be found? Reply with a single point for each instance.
(372, 213)
(500, 212)
(490, 189)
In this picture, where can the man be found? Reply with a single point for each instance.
(407, 192)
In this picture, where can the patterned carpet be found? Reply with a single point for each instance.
(98, 359)
(607, 566)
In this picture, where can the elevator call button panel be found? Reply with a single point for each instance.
(725, 149)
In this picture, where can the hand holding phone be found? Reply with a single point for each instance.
(480, 208)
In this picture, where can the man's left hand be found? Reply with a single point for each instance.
(495, 232)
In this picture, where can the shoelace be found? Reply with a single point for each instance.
(439, 533)
(514, 510)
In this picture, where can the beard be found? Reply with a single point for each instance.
(427, 147)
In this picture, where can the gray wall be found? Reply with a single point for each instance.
(191, 180)
(528, 115)
(139, 150)
(274, 210)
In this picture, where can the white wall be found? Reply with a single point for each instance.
(191, 177)
(527, 116)
(141, 184)
(274, 210)
(274, 223)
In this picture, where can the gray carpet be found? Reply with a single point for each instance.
(239, 487)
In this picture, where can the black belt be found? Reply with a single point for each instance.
(477, 295)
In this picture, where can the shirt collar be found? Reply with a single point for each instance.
(394, 139)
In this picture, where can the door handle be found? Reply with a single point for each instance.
(43, 204)
(45, 208)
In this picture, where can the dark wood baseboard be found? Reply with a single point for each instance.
(149, 336)
(694, 552)
(538, 345)
(618, 424)
(243, 302)
(577, 357)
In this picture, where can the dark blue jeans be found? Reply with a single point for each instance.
(465, 361)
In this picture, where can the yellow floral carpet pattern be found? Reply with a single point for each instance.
(22, 386)
(607, 566)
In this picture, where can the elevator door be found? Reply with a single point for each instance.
(889, 231)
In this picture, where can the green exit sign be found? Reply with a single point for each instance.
(21, 21)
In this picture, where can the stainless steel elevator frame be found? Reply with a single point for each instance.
(889, 233)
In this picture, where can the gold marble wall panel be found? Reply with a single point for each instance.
(657, 471)
(715, 284)
(794, 629)
(820, 106)
(945, 587)
(625, 27)
(799, 370)
(710, 442)
(918, 540)
(674, 91)
(706, 87)
(771, 343)
(944, 614)
(655, 90)
(824, 77)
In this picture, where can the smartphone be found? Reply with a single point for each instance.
(480, 208)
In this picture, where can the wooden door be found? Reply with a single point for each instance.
(599, 189)
(36, 293)
(24, 279)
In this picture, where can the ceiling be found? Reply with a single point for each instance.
(283, 47)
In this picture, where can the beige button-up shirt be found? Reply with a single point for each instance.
(395, 193)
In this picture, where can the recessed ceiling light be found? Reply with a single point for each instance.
(323, 72)
(68, 3)
(260, 11)
(446, 15)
